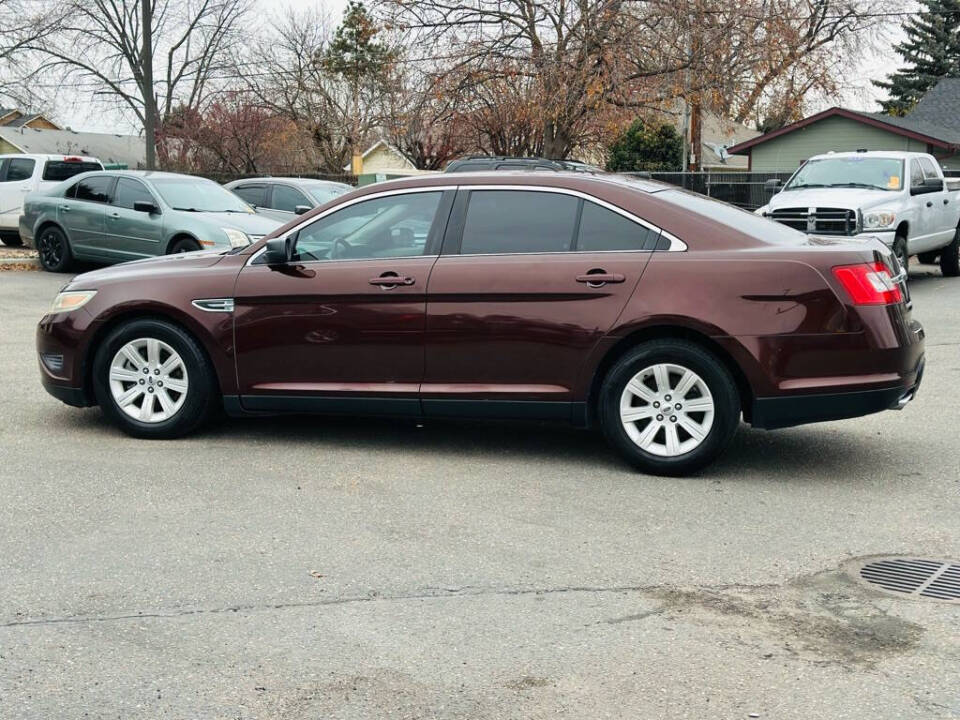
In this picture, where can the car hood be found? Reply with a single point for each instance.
(847, 198)
(250, 223)
(179, 263)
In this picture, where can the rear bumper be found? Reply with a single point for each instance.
(771, 413)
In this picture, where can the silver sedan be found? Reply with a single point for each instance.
(285, 198)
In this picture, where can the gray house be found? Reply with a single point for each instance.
(126, 151)
(933, 127)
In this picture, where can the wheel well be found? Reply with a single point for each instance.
(662, 332)
(181, 236)
(43, 226)
(902, 230)
(86, 367)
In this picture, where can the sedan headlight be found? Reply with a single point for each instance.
(237, 238)
(877, 219)
(71, 300)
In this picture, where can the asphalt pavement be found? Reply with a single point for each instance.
(331, 568)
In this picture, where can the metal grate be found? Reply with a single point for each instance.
(822, 221)
(933, 579)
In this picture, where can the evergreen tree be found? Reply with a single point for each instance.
(931, 51)
(646, 147)
(354, 54)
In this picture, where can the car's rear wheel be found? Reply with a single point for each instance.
(950, 257)
(153, 379)
(669, 406)
(182, 245)
(54, 249)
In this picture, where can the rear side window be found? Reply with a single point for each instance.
(95, 189)
(287, 198)
(60, 170)
(19, 169)
(254, 194)
(129, 192)
(518, 221)
(604, 230)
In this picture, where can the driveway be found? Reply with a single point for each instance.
(325, 568)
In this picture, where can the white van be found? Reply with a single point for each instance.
(21, 174)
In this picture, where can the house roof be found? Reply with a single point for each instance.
(916, 128)
(383, 143)
(129, 150)
(24, 119)
(940, 105)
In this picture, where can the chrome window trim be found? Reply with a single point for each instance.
(676, 244)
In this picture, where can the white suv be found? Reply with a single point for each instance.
(21, 174)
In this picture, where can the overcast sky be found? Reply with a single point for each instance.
(76, 111)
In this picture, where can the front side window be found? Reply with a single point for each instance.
(604, 230)
(518, 221)
(287, 199)
(129, 192)
(929, 171)
(95, 189)
(916, 174)
(256, 195)
(20, 169)
(394, 226)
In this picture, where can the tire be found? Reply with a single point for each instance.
(656, 457)
(182, 245)
(54, 249)
(11, 239)
(172, 412)
(927, 258)
(950, 257)
(900, 250)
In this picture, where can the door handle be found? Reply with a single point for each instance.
(115, 215)
(65, 208)
(388, 282)
(946, 202)
(929, 203)
(596, 279)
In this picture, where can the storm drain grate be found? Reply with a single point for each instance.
(932, 579)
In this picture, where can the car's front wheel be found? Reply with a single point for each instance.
(669, 406)
(53, 248)
(153, 379)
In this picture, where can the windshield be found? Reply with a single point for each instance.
(324, 193)
(198, 195)
(852, 171)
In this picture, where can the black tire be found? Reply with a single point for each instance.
(950, 257)
(54, 249)
(201, 390)
(900, 250)
(688, 355)
(182, 245)
(927, 258)
(11, 239)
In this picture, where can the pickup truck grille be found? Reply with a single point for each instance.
(822, 221)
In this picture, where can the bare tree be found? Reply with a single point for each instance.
(152, 56)
(22, 22)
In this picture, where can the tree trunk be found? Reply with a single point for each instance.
(149, 99)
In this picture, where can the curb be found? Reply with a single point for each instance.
(12, 263)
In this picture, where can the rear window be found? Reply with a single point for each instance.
(602, 230)
(60, 170)
(746, 222)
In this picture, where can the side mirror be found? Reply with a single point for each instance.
(772, 186)
(301, 209)
(279, 250)
(929, 185)
(145, 206)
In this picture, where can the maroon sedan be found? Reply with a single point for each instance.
(658, 315)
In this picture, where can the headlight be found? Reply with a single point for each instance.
(73, 300)
(878, 219)
(237, 238)
(761, 210)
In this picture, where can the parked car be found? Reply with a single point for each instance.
(285, 198)
(656, 314)
(481, 163)
(22, 174)
(900, 197)
(115, 216)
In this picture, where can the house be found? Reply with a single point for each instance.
(382, 158)
(10, 117)
(932, 127)
(717, 136)
(126, 151)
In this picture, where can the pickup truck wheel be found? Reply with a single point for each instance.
(950, 257)
(927, 258)
(900, 250)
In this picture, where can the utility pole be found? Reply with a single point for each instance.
(149, 99)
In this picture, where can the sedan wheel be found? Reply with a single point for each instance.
(54, 250)
(669, 406)
(148, 380)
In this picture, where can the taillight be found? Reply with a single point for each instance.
(869, 284)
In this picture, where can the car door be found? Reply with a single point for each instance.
(16, 180)
(937, 205)
(82, 213)
(528, 282)
(254, 193)
(285, 199)
(340, 326)
(131, 233)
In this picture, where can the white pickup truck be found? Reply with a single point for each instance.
(21, 174)
(900, 197)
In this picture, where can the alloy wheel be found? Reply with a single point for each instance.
(50, 249)
(148, 380)
(667, 410)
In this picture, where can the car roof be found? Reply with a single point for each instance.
(894, 154)
(291, 180)
(560, 179)
(50, 156)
